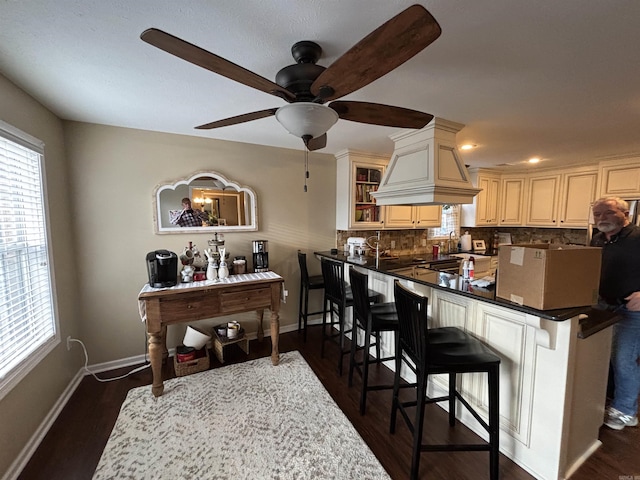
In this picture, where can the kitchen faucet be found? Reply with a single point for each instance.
(450, 247)
(377, 246)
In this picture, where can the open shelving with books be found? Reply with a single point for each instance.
(359, 175)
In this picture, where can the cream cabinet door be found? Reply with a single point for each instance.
(508, 334)
(487, 211)
(512, 198)
(621, 178)
(428, 216)
(578, 191)
(407, 216)
(483, 212)
(543, 201)
(399, 216)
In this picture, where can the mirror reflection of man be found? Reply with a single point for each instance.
(188, 216)
(620, 292)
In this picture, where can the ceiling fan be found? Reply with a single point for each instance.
(306, 86)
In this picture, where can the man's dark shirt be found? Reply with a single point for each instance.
(620, 274)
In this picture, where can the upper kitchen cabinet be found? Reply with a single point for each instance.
(358, 174)
(407, 216)
(512, 200)
(483, 211)
(620, 178)
(561, 199)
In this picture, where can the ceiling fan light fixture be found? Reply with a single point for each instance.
(306, 118)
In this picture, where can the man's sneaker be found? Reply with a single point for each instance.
(617, 420)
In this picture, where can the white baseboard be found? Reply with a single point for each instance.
(34, 442)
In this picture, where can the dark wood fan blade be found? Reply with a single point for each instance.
(317, 143)
(247, 117)
(384, 49)
(203, 58)
(378, 114)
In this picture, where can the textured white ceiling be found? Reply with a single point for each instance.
(548, 78)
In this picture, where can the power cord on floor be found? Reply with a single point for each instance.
(86, 364)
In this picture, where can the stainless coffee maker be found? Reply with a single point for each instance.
(260, 256)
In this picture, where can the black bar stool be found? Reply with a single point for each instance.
(337, 298)
(307, 282)
(451, 351)
(372, 320)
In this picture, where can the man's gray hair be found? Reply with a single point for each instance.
(623, 206)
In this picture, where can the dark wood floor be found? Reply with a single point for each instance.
(72, 448)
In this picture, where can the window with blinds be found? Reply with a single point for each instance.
(28, 329)
(450, 222)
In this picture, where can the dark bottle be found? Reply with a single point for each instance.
(496, 242)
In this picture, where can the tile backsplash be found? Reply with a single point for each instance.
(416, 242)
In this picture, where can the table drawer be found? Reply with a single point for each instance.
(189, 307)
(241, 301)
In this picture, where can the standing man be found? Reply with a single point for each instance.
(188, 217)
(620, 292)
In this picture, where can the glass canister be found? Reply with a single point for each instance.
(239, 266)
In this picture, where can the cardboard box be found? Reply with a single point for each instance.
(549, 276)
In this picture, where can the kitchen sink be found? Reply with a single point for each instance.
(465, 256)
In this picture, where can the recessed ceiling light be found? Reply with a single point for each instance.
(467, 146)
(534, 160)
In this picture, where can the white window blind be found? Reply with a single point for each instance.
(27, 321)
(450, 222)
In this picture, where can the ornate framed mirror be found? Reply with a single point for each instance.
(218, 204)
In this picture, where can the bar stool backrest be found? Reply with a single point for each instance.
(304, 273)
(360, 290)
(334, 284)
(412, 319)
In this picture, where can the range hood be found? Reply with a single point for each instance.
(426, 169)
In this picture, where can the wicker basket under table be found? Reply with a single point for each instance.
(199, 364)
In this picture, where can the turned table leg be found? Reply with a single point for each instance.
(275, 335)
(259, 314)
(156, 347)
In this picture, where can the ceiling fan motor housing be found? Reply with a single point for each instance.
(298, 78)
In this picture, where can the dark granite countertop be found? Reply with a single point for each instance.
(594, 321)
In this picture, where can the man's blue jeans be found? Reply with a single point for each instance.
(625, 355)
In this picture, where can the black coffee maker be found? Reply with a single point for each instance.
(260, 256)
(162, 266)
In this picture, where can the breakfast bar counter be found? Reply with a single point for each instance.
(554, 369)
(592, 319)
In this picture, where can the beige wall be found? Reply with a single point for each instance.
(101, 181)
(25, 407)
(113, 174)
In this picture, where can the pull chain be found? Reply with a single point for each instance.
(306, 168)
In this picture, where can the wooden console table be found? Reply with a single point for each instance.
(187, 302)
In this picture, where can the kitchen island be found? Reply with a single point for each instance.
(554, 367)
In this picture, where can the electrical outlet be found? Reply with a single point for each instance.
(424, 242)
(69, 342)
(285, 294)
(393, 244)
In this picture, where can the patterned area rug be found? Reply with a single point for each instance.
(243, 421)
